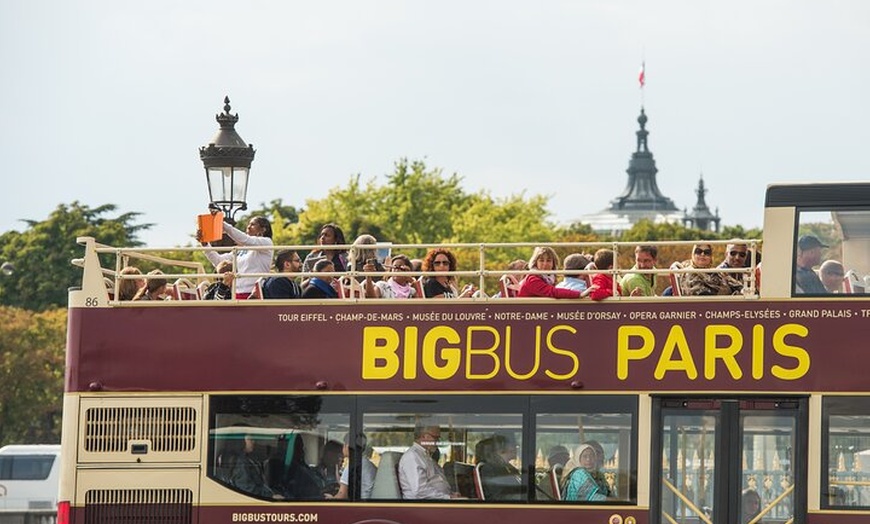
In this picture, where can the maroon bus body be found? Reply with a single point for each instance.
(776, 346)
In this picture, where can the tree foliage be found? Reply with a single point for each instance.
(31, 374)
(42, 253)
(422, 205)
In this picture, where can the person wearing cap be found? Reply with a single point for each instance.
(809, 255)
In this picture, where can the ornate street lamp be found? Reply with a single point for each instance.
(227, 161)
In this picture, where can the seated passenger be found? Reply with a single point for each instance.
(832, 274)
(641, 284)
(557, 456)
(809, 255)
(245, 472)
(751, 505)
(442, 260)
(321, 286)
(284, 285)
(543, 285)
(705, 283)
(500, 479)
(127, 288)
(300, 481)
(329, 467)
(578, 482)
(398, 286)
(363, 256)
(154, 289)
(574, 261)
(223, 288)
(367, 475)
(330, 234)
(603, 283)
(420, 477)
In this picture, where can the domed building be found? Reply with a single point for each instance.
(641, 199)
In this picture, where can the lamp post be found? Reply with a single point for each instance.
(227, 161)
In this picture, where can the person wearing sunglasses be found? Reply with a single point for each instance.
(735, 258)
(444, 285)
(397, 286)
(705, 283)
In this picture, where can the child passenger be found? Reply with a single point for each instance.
(544, 285)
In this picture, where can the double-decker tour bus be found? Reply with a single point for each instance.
(748, 407)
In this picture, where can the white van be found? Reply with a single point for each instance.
(29, 477)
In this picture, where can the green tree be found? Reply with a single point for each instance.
(42, 253)
(31, 374)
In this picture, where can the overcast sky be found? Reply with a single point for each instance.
(109, 101)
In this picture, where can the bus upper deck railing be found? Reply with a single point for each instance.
(489, 259)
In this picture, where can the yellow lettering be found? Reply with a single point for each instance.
(559, 351)
(624, 351)
(676, 340)
(795, 352)
(757, 351)
(489, 351)
(380, 360)
(712, 352)
(507, 354)
(409, 370)
(452, 356)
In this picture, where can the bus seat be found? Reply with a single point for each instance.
(351, 288)
(387, 478)
(418, 288)
(478, 482)
(851, 282)
(257, 292)
(554, 475)
(509, 286)
(201, 288)
(675, 280)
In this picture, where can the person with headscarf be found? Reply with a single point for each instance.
(578, 478)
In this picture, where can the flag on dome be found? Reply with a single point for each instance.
(641, 77)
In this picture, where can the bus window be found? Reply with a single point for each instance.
(446, 448)
(584, 448)
(831, 253)
(278, 447)
(846, 449)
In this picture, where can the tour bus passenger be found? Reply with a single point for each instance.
(416, 264)
(222, 289)
(245, 471)
(641, 284)
(258, 233)
(154, 289)
(127, 288)
(420, 477)
(329, 467)
(735, 258)
(397, 286)
(809, 255)
(575, 281)
(598, 474)
(501, 480)
(751, 505)
(330, 234)
(705, 283)
(367, 474)
(443, 261)
(283, 285)
(578, 482)
(557, 456)
(300, 481)
(603, 283)
(363, 256)
(832, 273)
(544, 258)
(321, 286)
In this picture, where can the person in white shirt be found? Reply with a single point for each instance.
(420, 477)
(258, 233)
(368, 473)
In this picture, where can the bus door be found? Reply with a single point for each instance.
(729, 460)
